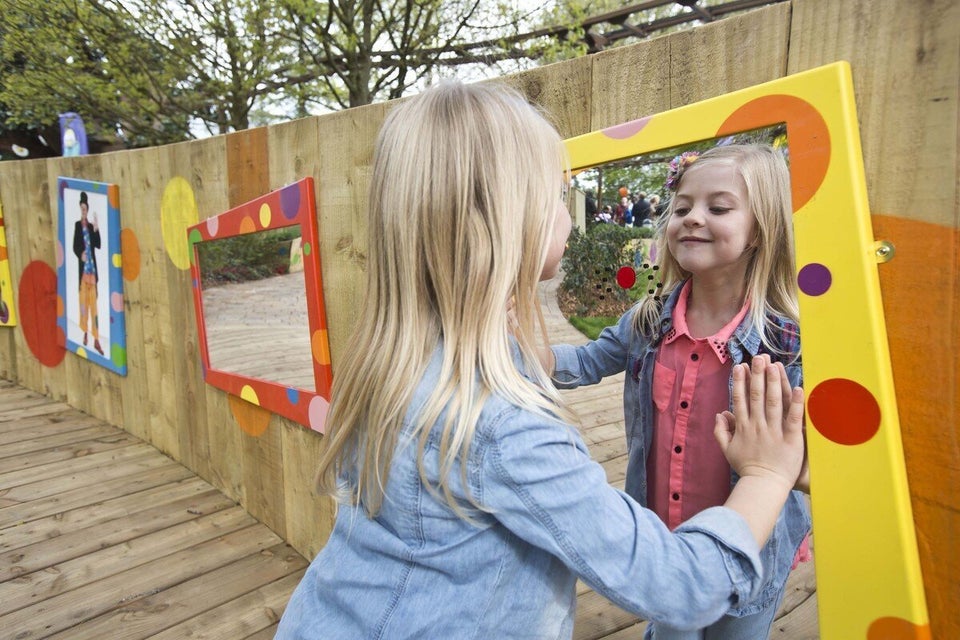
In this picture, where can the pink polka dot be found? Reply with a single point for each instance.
(59, 254)
(317, 413)
(844, 411)
(625, 130)
(116, 301)
(626, 277)
(213, 225)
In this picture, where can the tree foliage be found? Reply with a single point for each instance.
(155, 71)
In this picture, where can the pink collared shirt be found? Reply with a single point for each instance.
(686, 470)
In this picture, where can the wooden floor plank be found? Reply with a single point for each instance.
(64, 522)
(119, 542)
(69, 609)
(68, 451)
(86, 429)
(145, 617)
(76, 465)
(18, 513)
(143, 459)
(256, 612)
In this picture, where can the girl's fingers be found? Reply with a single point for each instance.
(785, 384)
(794, 421)
(774, 396)
(757, 386)
(722, 431)
(741, 409)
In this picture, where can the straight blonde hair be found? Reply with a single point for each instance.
(771, 285)
(466, 185)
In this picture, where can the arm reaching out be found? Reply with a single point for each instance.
(763, 441)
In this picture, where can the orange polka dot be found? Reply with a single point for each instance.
(3, 253)
(808, 137)
(253, 420)
(130, 252)
(113, 196)
(320, 346)
(247, 225)
(891, 628)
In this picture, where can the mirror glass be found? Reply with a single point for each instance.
(255, 306)
(611, 263)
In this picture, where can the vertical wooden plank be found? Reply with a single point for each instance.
(31, 238)
(630, 83)
(206, 162)
(248, 176)
(563, 90)
(140, 212)
(8, 343)
(729, 54)
(309, 517)
(248, 165)
(905, 59)
(294, 152)
(345, 145)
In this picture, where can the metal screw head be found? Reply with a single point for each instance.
(884, 250)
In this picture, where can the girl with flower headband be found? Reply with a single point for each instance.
(725, 248)
(468, 503)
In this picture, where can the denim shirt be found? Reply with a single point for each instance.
(622, 348)
(547, 516)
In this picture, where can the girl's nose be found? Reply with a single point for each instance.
(694, 217)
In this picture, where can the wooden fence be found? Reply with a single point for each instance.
(905, 58)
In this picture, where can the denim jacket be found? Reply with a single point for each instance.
(622, 348)
(547, 516)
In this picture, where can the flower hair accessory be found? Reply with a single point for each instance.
(677, 166)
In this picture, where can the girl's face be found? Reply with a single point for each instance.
(558, 242)
(712, 227)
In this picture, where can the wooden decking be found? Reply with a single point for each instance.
(102, 536)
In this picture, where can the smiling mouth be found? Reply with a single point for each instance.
(692, 239)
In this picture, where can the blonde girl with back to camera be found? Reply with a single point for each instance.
(468, 504)
(725, 257)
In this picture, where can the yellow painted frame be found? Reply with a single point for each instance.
(868, 570)
(8, 313)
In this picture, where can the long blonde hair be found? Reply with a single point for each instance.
(771, 284)
(465, 187)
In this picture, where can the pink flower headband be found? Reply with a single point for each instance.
(677, 166)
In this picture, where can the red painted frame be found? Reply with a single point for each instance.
(288, 206)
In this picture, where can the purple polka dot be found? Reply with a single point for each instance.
(814, 279)
(290, 201)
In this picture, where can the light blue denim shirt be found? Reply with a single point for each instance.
(417, 570)
(622, 348)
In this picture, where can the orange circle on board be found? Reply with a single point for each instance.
(247, 225)
(113, 196)
(891, 628)
(807, 136)
(253, 420)
(130, 254)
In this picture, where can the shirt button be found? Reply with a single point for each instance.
(694, 357)
(676, 496)
(678, 449)
(684, 404)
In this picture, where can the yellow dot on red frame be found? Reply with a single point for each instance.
(265, 215)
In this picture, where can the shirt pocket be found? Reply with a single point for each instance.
(663, 379)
